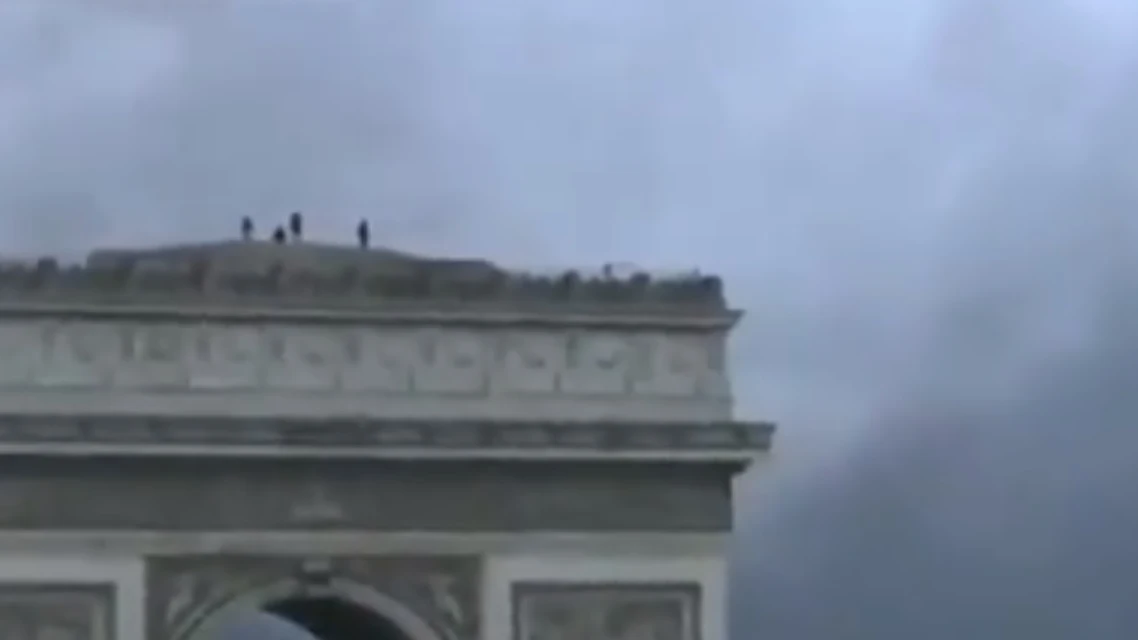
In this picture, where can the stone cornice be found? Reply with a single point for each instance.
(345, 311)
(122, 434)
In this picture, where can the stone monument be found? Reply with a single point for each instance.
(375, 445)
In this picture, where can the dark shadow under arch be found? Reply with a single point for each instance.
(332, 618)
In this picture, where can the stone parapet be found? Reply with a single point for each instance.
(252, 275)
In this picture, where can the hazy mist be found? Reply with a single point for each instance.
(928, 207)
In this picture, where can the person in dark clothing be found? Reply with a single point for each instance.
(296, 226)
(363, 234)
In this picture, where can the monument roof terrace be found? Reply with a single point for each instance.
(309, 277)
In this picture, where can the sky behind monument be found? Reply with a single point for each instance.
(928, 208)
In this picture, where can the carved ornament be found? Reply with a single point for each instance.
(184, 591)
(359, 359)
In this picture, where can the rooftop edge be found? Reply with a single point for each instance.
(268, 275)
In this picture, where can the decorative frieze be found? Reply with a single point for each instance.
(617, 611)
(359, 359)
(183, 591)
(56, 612)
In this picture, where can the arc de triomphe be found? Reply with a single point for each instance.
(375, 445)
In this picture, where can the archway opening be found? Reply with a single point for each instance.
(331, 618)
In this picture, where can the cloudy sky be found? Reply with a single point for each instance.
(927, 206)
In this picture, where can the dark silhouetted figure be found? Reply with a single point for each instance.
(246, 228)
(296, 226)
(279, 235)
(363, 234)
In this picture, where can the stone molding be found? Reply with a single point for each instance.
(393, 436)
(353, 360)
(456, 315)
(183, 591)
(131, 542)
(606, 611)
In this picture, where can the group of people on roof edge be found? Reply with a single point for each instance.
(296, 231)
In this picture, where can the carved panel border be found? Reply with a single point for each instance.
(31, 611)
(184, 591)
(606, 610)
(352, 360)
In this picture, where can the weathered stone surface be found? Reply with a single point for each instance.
(183, 494)
(310, 276)
(373, 435)
(395, 371)
(606, 612)
(56, 612)
(182, 591)
(148, 354)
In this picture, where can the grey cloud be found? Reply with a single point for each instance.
(927, 207)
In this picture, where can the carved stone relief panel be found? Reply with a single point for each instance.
(716, 383)
(303, 358)
(225, 356)
(621, 611)
(529, 362)
(678, 365)
(183, 591)
(56, 612)
(152, 355)
(597, 363)
(361, 359)
(19, 351)
(453, 361)
(79, 354)
(379, 360)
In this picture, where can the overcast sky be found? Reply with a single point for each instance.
(927, 207)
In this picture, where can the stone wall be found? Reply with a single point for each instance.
(183, 494)
(571, 591)
(428, 597)
(311, 369)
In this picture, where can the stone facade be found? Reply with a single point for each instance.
(395, 371)
(232, 494)
(227, 356)
(158, 405)
(183, 592)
